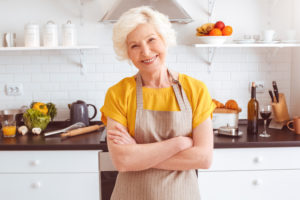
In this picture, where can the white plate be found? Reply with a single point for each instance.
(290, 41)
(268, 42)
(250, 41)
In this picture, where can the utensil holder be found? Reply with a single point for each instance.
(280, 109)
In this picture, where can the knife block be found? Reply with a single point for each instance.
(280, 109)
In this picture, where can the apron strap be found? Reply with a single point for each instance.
(179, 94)
(173, 79)
(139, 92)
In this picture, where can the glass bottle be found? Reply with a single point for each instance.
(253, 110)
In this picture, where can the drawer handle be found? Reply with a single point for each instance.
(257, 182)
(258, 159)
(35, 163)
(36, 185)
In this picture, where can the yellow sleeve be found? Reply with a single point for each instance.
(203, 106)
(114, 107)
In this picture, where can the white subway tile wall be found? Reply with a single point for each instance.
(56, 75)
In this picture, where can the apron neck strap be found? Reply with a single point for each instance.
(139, 92)
(172, 77)
(179, 93)
(175, 86)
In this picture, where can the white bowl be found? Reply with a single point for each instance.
(213, 39)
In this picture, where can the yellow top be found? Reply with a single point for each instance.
(120, 101)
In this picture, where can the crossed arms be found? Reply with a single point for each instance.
(178, 153)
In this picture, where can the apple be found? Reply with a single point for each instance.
(219, 24)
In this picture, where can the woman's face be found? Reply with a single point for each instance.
(146, 49)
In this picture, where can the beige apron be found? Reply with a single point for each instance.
(153, 126)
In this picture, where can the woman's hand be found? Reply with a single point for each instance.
(185, 142)
(120, 136)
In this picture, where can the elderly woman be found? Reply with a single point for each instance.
(159, 127)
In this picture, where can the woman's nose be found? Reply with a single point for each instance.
(145, 50)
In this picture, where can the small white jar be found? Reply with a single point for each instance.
(50, 38)
(69, 34)
(32, 35)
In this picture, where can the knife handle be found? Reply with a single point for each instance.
(80, 131)
(275, 88)
(276, 96)
(271, 95)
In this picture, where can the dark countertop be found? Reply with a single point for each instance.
(278, 138)
(91, 141)
(88, 141)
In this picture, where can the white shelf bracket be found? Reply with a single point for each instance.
(271, 53)
(211, 54)
(82, 62)
(275, 51)
(211, 8)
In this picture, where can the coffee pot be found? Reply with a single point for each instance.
(79, 112)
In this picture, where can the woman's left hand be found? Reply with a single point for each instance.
(120, 136)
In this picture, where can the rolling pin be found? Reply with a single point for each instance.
(81, 131)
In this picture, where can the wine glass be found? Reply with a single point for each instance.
(265, 113)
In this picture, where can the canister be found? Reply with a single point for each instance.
(69, 34)
(50, 38)
(32, 35)
(222, 119)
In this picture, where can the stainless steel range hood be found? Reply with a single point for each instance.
(169, 7)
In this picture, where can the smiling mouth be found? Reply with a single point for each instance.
(150, 60)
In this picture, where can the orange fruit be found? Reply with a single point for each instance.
(215, 32)
(227, 30)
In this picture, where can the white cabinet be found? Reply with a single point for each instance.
(49, 175)
(252, 173)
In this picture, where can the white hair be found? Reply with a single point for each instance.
(141, 15)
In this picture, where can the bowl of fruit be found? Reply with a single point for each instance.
(214, 33)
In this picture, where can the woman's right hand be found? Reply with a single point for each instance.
(119, 135)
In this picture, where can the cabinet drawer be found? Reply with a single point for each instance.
(49, 161)
(81, 186)
(256, 158)
(249, 185)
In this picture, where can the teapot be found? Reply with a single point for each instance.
(79, 112)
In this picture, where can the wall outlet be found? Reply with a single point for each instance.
(260, 86)
(14, 89)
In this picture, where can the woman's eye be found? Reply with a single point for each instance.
(133, 46)
(151, 39)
